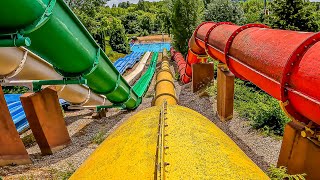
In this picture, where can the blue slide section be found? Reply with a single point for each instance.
(153, 47)
(128, 61)
(17, 112)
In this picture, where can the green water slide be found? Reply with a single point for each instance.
(141, 86)
(51, 30)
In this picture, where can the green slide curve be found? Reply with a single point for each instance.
(51, 30)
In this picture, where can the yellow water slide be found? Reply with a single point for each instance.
(168, 141)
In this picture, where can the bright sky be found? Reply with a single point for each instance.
(111, 2)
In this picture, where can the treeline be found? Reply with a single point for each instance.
(181, 17)
(117, 23)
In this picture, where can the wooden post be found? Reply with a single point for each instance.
(225, 93)
(46, 121)
(202, 75)
(12, 150)
(299, 154)
(99, 114)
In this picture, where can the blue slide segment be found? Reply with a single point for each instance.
(128, 61)
(153, 47)
(17, 112)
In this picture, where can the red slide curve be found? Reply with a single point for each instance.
(285, 64)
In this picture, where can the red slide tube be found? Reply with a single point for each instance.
(285, 64)
(181, 63)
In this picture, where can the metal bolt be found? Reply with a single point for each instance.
(166, 164)
(166, 147)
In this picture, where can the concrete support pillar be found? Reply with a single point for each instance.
(46, 121)
(225, 93)
(202, 75)
(299, 154)
(12, 150)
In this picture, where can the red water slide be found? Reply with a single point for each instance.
(285, 64)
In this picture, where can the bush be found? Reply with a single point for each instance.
(294, 15)
(144, 33)
(262, 110)
(281, 173)
(14, 89)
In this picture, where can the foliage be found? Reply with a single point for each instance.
(146, 22)
(186, 15)
(224, 10)
(253, 11)
(294, 15)
(118, 38)
(99, 137)
(102, 21)
(112, 55)
(130, 22)
(261, 109)
(281, 173)
(142, 5)
(14, 89)
(124, 4)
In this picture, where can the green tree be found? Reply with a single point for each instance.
(253, 11)
(224, 10)
(130, 22)
(142, 5)
(118, 39)
(124, 4)
(86, 5)
(146, 22)
(293, 15)
(186, 16)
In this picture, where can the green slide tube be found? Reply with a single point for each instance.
(59, 37)
(141, 86)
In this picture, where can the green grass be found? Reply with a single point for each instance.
(99, 137)
(113, 55)
(280, 173)
(262, 110)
